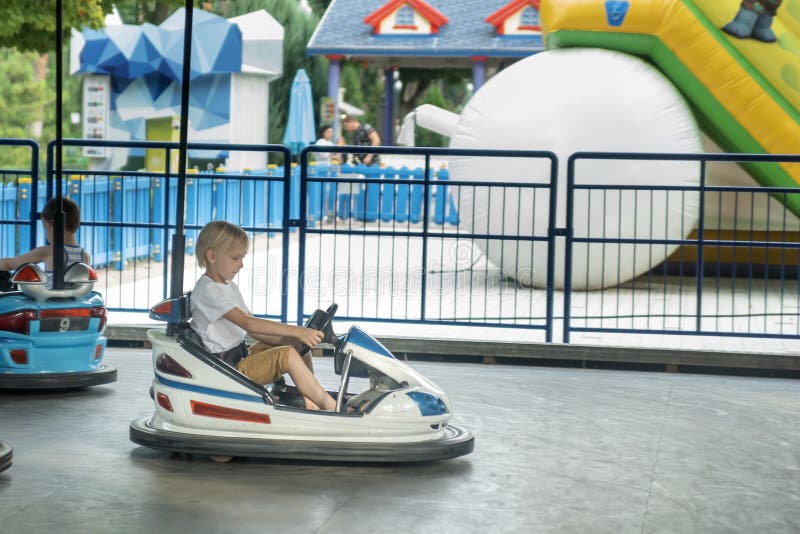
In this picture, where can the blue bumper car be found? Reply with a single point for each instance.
(52, 338)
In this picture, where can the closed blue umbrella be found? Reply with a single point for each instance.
(300, 126)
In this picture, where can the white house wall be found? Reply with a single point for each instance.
(249, 119)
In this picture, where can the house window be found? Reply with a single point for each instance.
(529, 19)
(404, 18)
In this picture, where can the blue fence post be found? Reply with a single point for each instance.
(190, 213)
(232, 199)
(75, 191)
(330, 189)
(314, 193)
(246, 198)
(141, 213)
(373, 191)
(159, 187)
(366, 200)
(387, 196)
(23, 207)
(294, 194)
(403, 190)
(441, 197)
(92, 197)
(218, 195)
(275, 204)
(40, 200)
(260, 199)
(415, 212)
(117, 234)
(205, 201)
(8, 231)
(445, 206)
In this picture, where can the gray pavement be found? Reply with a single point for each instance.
(557, 450)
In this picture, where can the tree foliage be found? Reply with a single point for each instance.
(425, 137)
(28, 25)
(22, 97)
(152, 11)
(298, 27)
(319, 6)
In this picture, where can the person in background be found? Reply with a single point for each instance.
(326, 158)
(73, 252)
(325, 139)
(362, 135)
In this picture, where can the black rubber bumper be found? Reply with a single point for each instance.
(6, 453)
(103, 375)
(457, 442)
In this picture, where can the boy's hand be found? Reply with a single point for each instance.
(308, 336)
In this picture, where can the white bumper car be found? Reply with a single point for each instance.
(203, 405)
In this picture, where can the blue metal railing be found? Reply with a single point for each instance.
(137, 210)
(695, 317)
(401, 207)
(18, 186)
(409, 245)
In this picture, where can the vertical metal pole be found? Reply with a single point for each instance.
(32, 213)
(478, 72)
(425, 216)
(287, 186)
(334, 70)
(388, 107)
(301, 231)
(178, 239)
(700, 239)
(165, 240)
(551, 248)
(568, 246)
(58, 222)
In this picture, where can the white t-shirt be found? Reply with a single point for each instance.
(211, 300)
(323, 158)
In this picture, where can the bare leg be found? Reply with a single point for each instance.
(307, 384)
(307, 359)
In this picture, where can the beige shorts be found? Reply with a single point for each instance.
(265, 364)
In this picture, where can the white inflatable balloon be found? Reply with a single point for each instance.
(565, 101)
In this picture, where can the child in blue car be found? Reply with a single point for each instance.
(222, 320)
(73, 252)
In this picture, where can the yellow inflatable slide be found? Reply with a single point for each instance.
(745, 93)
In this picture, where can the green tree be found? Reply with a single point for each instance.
(152, 11)
(27, 25)
(363, 86)
(22, 97)
(319, 6)
(433, 96)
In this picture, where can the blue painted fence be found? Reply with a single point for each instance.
(250, 198)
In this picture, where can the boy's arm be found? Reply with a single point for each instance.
(37, 255)
(87, 258)
(263, 327)
(275, 341)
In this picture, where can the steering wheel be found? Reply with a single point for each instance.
(5, 282)
(321, 320)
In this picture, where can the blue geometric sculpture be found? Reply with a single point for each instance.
(145, 66)
(133, 51)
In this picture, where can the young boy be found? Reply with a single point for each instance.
(73, 252)
(221, 318)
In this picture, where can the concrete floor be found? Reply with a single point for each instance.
(557, 450)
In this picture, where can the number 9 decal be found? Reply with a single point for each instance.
(63, 324)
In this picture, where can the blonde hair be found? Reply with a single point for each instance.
(222, 236)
